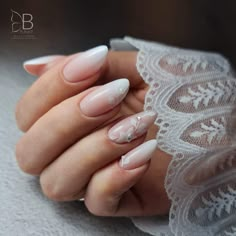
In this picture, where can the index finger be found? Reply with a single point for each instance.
(53, 87)
(69, 77)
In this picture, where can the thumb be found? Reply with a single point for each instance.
(110, 193)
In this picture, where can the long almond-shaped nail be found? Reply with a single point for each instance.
(132, 127)
(85, 64)
(41, 60)
(138, 156)
(104, 98)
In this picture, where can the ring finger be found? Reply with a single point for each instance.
(66, 178)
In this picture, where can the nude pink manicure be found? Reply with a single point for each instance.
(132, 127)
(104, 98)
(41, 60)
(85, 64)
(138, 156)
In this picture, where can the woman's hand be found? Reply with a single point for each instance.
(69, 142)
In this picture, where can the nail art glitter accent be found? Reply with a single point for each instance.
(132, 127)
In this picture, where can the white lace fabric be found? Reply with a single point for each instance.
(194, 94)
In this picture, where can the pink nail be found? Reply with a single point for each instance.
(104, 98)
(41, 60)
(85, 64)
(132, 127)
(138, 156)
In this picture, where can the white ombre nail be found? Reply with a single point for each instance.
(41, 60)
(132, 127)
(85, 64)
(138, 156)
(104, 98)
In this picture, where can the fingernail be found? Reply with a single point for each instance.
(104, 98)
(138, 156)
(85, 64)
(132, 127)
(41, 60)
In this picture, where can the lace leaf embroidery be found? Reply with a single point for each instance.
(215, 130)
(210, 93)
(216, 205)
(190, 63)
(193, 64)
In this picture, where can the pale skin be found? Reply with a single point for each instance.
(56, 144)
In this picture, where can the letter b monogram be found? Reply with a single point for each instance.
(27, 23)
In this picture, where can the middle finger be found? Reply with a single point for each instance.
(68, 122)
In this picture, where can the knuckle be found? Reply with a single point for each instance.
(18, 117)
(99, 201)
(103, 189)
(51, 190)
(20, 157)
(78, 195)
(24, 161)
(93, 209)
(97, 210)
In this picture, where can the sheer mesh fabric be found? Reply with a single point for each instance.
(194, 94)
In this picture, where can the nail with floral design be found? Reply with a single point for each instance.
(132, 127)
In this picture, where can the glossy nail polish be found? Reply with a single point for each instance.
(104, 98)
(138, 156)
(85, 64)
(40, 60)
(132, 127)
